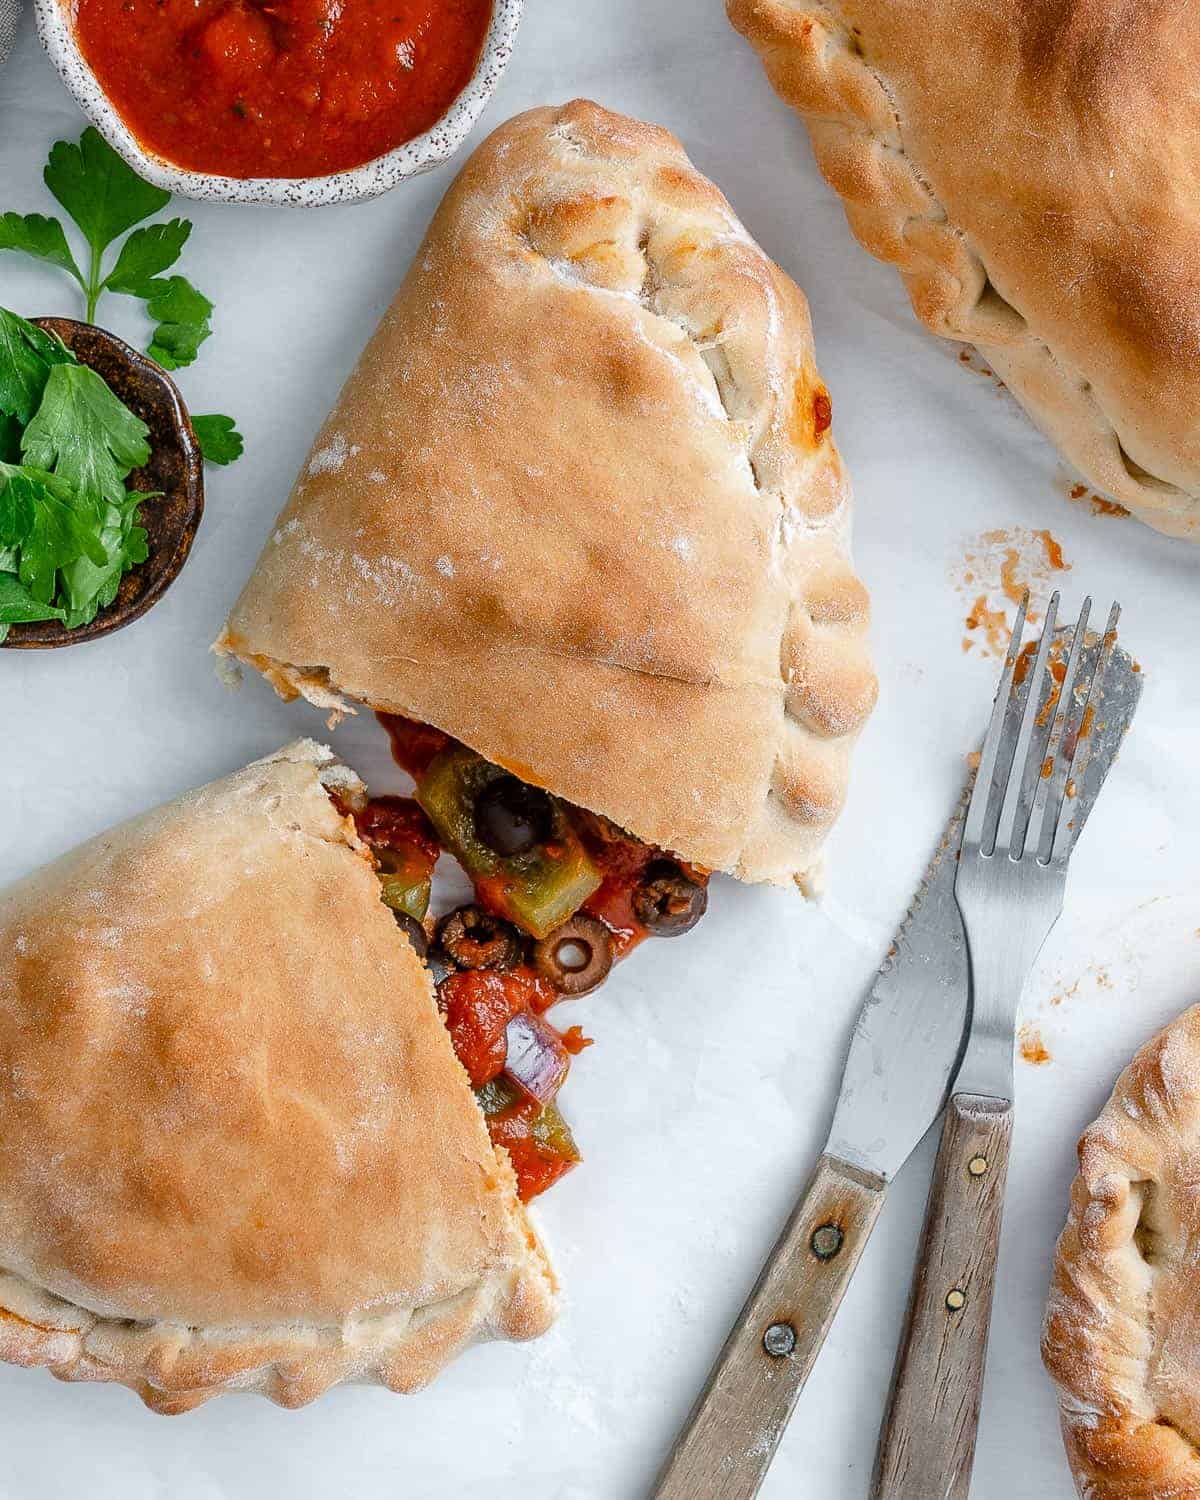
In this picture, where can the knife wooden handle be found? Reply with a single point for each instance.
(933, 1413)
(729, 1439)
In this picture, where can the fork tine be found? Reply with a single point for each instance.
(1060, 848)
(1048, 776)
(1033, 700)
(977, 811)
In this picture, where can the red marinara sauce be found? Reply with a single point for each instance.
(414, 744)
(280, 88)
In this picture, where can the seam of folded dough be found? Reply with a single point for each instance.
(174, 1368)
(818, 65)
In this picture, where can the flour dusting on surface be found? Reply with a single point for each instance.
(330, 458)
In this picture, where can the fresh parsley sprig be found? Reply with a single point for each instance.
(219, 439)
(68, 524)
(106, 198)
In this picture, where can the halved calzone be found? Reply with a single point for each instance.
(1030, 166)
(579, 506)
(1122, 1333)
(237, 1151)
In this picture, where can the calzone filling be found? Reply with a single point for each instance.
(560, 894)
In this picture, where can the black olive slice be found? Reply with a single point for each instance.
(666, 901)
(472, 938)
(512, 818)
(413, 931)
(576, 956)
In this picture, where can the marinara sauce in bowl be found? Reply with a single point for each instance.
(281, 101)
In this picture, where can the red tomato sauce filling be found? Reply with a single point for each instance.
(280, 88)
(500, 976)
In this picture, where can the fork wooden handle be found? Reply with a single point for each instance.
(728, 1441)
(928, 1435)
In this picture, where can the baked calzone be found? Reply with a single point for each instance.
(237, 1151)
(1122, 1333)
(580, 507)
(1030, 166)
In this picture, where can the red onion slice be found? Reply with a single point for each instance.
(537, 1059)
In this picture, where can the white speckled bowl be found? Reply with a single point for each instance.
(55, 22)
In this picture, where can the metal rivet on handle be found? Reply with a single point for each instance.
(956, 1300)
(977, 1166)
(779, 1340)
(826, 1241)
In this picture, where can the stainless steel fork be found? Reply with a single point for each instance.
(1009, 886)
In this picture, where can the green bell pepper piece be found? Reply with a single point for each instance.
(552, 1131)
(539, 889)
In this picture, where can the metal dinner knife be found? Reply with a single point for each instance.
(902, 1056)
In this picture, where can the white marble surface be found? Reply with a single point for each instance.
(707, 1096)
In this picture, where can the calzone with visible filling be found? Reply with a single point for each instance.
(580, 507)
(237, 1151)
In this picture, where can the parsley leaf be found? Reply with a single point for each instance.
(86, 435)
(40, 237)
(145, 254)
(180, 310)
(182, 314)
(18, 606)
(53, 530)
(25, 491)
(103, 194)
(26, 357)
(10, 439)
(219, 439)
(16, 509)
(89, 585)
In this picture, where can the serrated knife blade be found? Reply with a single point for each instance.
(909, 1034)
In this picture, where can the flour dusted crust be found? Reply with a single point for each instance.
(579, 506)
(1030, 166)
(1122, 1333)
(237, 1151)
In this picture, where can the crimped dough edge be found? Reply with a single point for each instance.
(816, 64)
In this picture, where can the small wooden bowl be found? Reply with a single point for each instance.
(176, 468)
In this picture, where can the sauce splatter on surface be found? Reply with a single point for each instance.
(1094, 976)
(1031, 1046)
(1099, 505)
(996, 569)
(974, 361)
(989, 625)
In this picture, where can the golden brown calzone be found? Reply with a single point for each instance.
(237, 1151)
(1030, 166)
(1122, 1332)
(579, 506)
